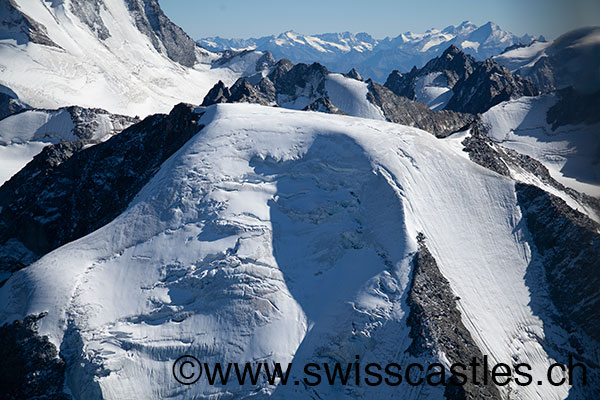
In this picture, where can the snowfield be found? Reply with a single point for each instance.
(350, 96)
(279, 235)
(123, 73)
(571, 153)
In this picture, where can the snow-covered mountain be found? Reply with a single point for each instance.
(456, 81)
(24, 134)
(124, 56)
(296, 241)
(375, 58)
(334, 220)
(571, 60)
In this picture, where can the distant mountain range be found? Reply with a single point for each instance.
(375, 58)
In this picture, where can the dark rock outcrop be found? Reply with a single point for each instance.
(240, 92)
(476, 86)
(574, 108)
(569, 243)
(266, 61)
(217, 94)
(572, 60)
(436, 326)
(10, 105)
(308, 79)
(404, 111)
(85, 121)
(324, 105)
(353, 73)
(288, 82)
(16, 25)
(88, 11)
(67, 192)
(488, 85)
(453, 65)
(285, 83)
(166, 37)
(30, 366)
(493, 156)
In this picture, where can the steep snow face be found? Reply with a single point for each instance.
(350, 96)
(516, 58)
(571, 152)
(16, 156)
(121, 71)
(278, 235)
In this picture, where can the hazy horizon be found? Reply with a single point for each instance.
(380, 19)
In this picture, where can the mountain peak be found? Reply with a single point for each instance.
(452, 50)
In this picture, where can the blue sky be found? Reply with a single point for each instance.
(247, 18)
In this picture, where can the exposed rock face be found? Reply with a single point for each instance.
(67, 192)
(488, 85)
(574, 108)
(266, 61)
(493, 156)
(353, 73)
(21, 27)
(285, 83)
(85, 121)
(282, 67)
(88, 12)
(572, 59)
(241, 92)
(404, 111)
(30, 367)
(485, 152)
(476, 86)
(10, 105)
(569, 243)
(325, 105)
(453, 64)
(436, 325)
(166, 37)
(301, 79)
(217, 94)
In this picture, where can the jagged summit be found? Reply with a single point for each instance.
(456, 81)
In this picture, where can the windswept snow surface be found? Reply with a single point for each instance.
(350, 96)
(278, 235)
(123, 73)
(571, 153)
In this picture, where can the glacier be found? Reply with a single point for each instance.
(282, 235)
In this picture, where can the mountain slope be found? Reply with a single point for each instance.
(374, 58)
(124, 56)
(314, 88)
(571, 60)
(571, 152)
(26, 133)
(294, 241)
(456, 81)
